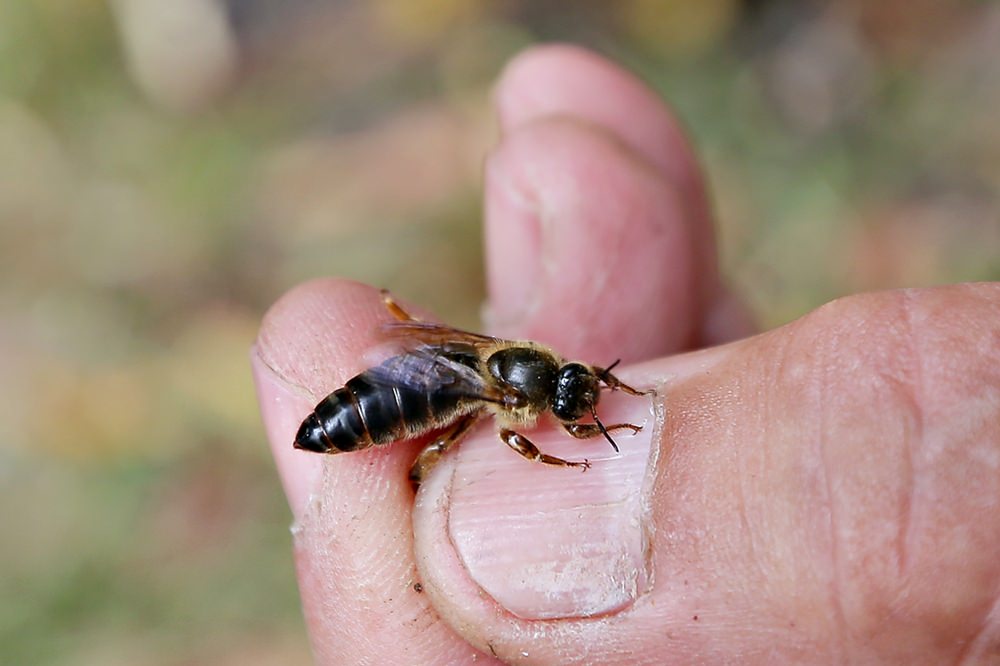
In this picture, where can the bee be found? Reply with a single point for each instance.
(451, 379)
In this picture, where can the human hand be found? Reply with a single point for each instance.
(824, 492)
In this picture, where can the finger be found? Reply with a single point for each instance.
(566, 81)
(586, 241)
(558, 80)
(824, 493)
(353, 538)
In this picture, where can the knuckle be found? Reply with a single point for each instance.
(906, 386)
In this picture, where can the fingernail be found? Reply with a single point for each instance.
(282, 406)
(514, 248)
(551, 542)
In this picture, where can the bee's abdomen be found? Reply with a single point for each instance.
(362, 414)
(335, 425)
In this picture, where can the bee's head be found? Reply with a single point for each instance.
(577, 391)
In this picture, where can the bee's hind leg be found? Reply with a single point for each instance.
(394, 308)
(431, 454)
(526, 448)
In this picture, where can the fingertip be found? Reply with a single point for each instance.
(552, 79)
(309, 343)
(586, 527)
(315, 329)
(353, 536)
(564, 79)
(282, 408)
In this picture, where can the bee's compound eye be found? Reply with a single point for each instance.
(311, 437)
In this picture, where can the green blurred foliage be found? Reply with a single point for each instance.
(150, 210)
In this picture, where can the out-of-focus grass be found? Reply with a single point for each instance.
(143, 234)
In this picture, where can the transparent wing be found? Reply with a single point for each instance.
(435, 334)
(433, 369)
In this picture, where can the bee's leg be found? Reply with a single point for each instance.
(616, 384)
(588, 430)
(523, 445)
(394, 308)
(432, 453)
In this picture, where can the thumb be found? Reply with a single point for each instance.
(826, 492)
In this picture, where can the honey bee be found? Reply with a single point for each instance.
(451, 379)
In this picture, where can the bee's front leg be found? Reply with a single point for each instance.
(526, 448)
(616, 384)
(588, 430)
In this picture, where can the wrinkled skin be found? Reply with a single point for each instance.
(826, 492)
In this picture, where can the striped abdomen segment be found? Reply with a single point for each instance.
(363, 413)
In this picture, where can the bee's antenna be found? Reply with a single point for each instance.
(604, 431)
(604, 373)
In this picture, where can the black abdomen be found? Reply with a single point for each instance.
(364, 413)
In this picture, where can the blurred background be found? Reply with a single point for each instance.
(168, 169)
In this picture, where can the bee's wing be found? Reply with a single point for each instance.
(435, 334)
(433, 369)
